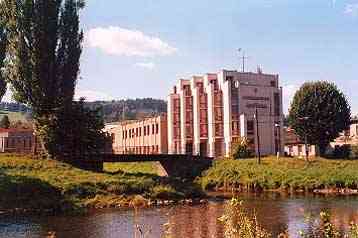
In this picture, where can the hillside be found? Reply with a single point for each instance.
(129, 108)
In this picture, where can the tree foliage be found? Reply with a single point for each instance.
(5, 122)
(320, 111)
(45, 45)
(129, 109)
(3, 45)
(76, 134)
(43, 62)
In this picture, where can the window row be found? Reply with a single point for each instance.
(142, 150)
(137, 132)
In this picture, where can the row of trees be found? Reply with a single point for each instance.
(40, 49)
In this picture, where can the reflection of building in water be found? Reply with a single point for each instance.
(196, 222)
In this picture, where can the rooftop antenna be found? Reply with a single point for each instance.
(243, 58)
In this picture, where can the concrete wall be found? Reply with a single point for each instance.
(247, 91)
(147, 136)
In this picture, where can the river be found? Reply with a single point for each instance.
(276, 212)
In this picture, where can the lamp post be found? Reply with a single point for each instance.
(278, 141)
(257, 137)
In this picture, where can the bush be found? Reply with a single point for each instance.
(354, 152)
(165, 192)
(343, 151)
(241, 149)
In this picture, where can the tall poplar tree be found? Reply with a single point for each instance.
(3, 44)
(45, 45)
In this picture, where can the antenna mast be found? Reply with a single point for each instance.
(243, 58)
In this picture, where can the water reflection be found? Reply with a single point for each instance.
(276, 212)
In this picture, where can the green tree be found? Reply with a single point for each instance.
(78, 133)
(44, 49)
(320, 111)
(5, 122)
(3, 45)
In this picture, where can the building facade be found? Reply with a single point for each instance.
(295, 147)
(147, 136)
(17, 141)
(207, 114)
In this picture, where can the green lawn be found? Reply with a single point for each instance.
(144, 167)
(27, 183)
(283, 173)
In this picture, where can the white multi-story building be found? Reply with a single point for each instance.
(207, 114)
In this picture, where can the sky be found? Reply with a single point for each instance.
(140, 48)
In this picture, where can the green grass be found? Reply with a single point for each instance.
(27, 183)
(283, 173)
(145, 167)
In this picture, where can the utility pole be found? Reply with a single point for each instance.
(257, 137)
(306, 147)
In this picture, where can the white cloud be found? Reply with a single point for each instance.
(146, 65)
(288, 94)
(91, 95)
(124, 42)
(351, 9)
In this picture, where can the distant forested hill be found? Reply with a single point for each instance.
(129, 109)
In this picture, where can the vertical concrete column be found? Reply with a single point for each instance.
(170, 113)
(226, 89)
(243, 126)
(211, 119)
(196, 118)
(182, 120)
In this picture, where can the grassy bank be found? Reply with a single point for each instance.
(28, 184)
(283, 174)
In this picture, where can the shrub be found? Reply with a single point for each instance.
(342, 151)
(165, 192)
(241, 149)
(354, 152)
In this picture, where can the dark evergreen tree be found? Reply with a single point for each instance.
(79, 132)
(320, 111)
(5, 122)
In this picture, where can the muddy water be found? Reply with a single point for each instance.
(275, 212)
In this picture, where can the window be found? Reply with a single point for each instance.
(153, 129)
(299, 149)
(250, 127)
(148, 130)
(277, 107)
(157, 128)
(273, 83)
(136, 132)
(140, 131)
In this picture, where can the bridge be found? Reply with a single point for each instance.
(174, 165)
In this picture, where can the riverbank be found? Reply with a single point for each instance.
(30, 185)
(284, 174)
